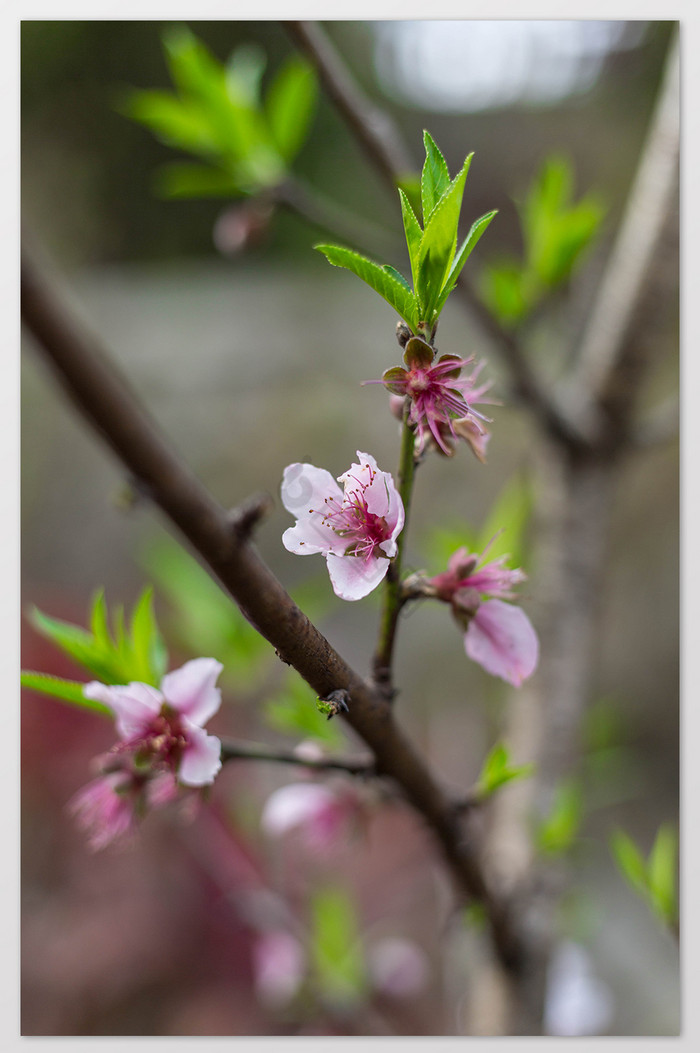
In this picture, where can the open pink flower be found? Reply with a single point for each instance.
(498, 635)
(354, 528)
(163, 730)
(440, 398)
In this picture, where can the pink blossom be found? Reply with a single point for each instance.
(442, 401)
(321, 815)
(354, 528)
(105, 808)
(498, 635)
(279, 967)
(163, 729)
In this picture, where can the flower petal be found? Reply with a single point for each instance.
(502, 640)
(305, 493)
(294, 805)
(133, 704)
(201, 760)
(353, 577)
(190, 689)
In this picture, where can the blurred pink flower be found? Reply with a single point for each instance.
(354, 528)
(322, 815)
(162, 743)
(498, 635)
(279, 967)
(163, 730)
(440, 398)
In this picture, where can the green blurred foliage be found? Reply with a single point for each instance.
(336, 949)
(218, 114)
(556, 232)
(497, 771)
(653, 879)
(293, 712)
(557, 833)
(115, 655)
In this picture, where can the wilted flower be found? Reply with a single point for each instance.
(354, 528)
(162, 744)
(320, 814)
(498, 635)
(442, 401)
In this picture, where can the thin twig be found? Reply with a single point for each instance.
(232, 749)
(646, 214)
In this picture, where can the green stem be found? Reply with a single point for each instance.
(393, 600)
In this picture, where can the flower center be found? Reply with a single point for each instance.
(163, 742)
(353, 520)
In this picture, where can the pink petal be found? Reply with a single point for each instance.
(133, 705)
(295, 805)
(305, 489)
(398, 967)
(278, 967)
(190, 690)
(202, 757)
(353, 577)
(502, 640)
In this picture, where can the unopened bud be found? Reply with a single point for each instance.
(403, 333)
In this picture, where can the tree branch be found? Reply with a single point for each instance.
(232, 749)
(106, 401)
(601, 358)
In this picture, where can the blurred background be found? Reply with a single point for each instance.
(251, 357)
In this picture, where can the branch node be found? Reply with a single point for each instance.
(245, 517)
(334, 703)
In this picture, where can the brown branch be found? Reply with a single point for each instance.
(104, 398)
(602, 368)
(375, 132)
(232, 749)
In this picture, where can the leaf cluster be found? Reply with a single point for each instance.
(497, 771)
(219, 114)
(436, 262)
(114, 655)
(556, 231)
(654, 879)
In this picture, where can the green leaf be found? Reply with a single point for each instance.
(244, 72)
(413, 233)
(506, 294)
(174, 122)
(661, 871)
(67, 690)
(150, 657)
(557, 833)
(184, 180)
(442, 541)
(435, 178)
(336, 950)
(508, 518)
(629, 860)
(466, 248)
(290, 104)
(395, 292)
(497, 771)
(98, 622)
(439, 243)
(77, 644)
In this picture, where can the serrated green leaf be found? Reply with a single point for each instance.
(661, 873)
(435, 178)
(413, 233)
(439, 243)
(467, 247)
(336, 950)
(76, 643)
(67, 690)
(506, 524)
(289, 106)
(183, 180)
(397, 293)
